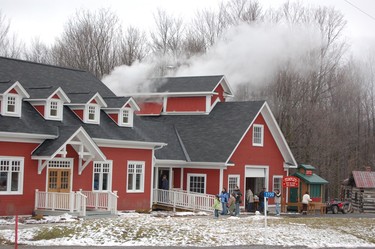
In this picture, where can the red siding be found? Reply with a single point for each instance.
(114, 117)
(55, 96)
(220, 90)
(120, 157)
(150, 108)
(40, 109)
(212, 179)
(176, 178)
(22, 204)
(247, 154)
(13, 91)
(79, 113)
(186, 104)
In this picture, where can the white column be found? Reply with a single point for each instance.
(221, 177)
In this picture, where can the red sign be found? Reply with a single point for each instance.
(309, 172)
(290, 182)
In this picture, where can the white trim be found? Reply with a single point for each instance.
(17, 105)
(98, 99)
(185, 164)
(174, 94)
(62, 95)
(24, 137)
(59, 110)
(221, 180)
(198, 175)
(17, 85)
(101, 142)
(130, 117)
(266, 172)
(86, 114)
(238, 176)
(276, 134)
(142, 187)
(208, 103)
(273, 182)
(184, 113)
(110, 174)
(261, 134)
(20, 175)
(71, 166)
(132, 104)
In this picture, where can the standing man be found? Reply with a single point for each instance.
(164, 183)
(249, 200)
(238, 196)
(305, 202)
(277, 201)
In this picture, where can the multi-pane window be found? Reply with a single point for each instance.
(102, 176)
(125, 116)
(11, 104)
(54, 106)
(11, 176)
(277, 183)
(197, 183)
(92, 113)
(258, 135)
(136, 176)
(233, 181)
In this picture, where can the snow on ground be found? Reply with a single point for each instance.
(189, 229)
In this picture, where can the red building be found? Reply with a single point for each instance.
(69, 143)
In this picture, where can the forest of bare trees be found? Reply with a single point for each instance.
(325, 105)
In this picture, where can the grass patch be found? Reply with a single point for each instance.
(54, 233)
(4, 241)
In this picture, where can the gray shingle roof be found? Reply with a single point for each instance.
(34, 75)
(187, 84)
(116, 102)
(208, 138)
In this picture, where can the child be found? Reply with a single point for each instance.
(217, 206)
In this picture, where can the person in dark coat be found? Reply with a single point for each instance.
(261, 200)
(164, 183)
(238, 195)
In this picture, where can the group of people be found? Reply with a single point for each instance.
(229, 203)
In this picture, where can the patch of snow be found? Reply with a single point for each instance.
(192, 229)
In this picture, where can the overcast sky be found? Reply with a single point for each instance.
(46, 18)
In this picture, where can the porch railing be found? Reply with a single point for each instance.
(76, 201)
(183, 199)
(102, 200)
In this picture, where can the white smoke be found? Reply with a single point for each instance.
(252, 53)
(246, 54)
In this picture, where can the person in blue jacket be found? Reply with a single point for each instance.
(224, 197)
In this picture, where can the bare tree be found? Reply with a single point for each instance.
(90, 41)
(39, 52)
(9, 44)
(133, 46)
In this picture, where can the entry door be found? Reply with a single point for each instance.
(59, 180)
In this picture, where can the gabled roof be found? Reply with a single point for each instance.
(364, 179)
(7, 86)
(306, 166)
(311, 179)
(77, 84)
(190, 84)
(120, 102)
(206, 138)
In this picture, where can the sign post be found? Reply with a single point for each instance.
(266, 196)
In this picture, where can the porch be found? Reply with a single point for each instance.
(181, 199)
(78, 203)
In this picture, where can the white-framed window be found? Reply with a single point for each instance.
(92, 114)
(102, 176)
(11, 175)
(233, 181)
(54, 110)
(136, 176)
(11, 105)
(197, 183)
(126, 117)
(258, 134)
(277, 182)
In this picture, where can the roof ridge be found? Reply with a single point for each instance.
(42, 64)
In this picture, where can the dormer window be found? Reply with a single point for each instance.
(126, 117)
(54, 109)
(12, 105)
(92, 114)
